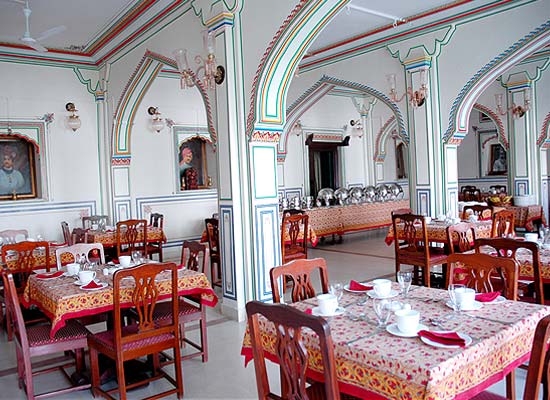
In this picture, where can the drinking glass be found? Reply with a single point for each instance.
(382, 309)
(337, 289)
(136, 256)
(452, 296)
(405, 279)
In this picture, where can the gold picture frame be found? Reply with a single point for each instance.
(17, 169)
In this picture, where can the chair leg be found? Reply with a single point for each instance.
(397, 268)
(121, 378)
(177, 368)
(94, 366)
(426, 275)
(160, 252)
(29, 385)
(204, 338)
(511, 385)
(9, 326)
(20, 367)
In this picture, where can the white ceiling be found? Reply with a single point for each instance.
(86, 20)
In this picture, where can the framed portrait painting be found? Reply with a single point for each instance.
(192, 164)
(18, 169)
(498, 164)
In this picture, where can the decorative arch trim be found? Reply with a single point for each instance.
(463, 104)
(280, 60)
(498, 123)
(385, 130)
(322, 87)
(137, 86)
(544, 138)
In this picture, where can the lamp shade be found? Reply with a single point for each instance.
(74, 122)
(157, 124)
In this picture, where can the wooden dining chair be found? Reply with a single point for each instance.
(292, 357)
(478, 271)
(79, 235)
(9, 236)
(292, 211)
(507, 248)
(498, 188)
(538, 371)
(93, 252)
(400, 211)
(412, 246)
(483, 213)
(213, 238)
(100, 220)
(21, 259)
(471, 195)
(67, 237)
(503, 224)
(143, 338)
(298, 275)
(156, 220)
(35, 341)
(193, 257)
(294, 237)
(131, 235)
(460, 237)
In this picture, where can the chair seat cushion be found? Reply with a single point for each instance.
(106, 338)
(437, 256)
(39, 335)
(295, 256)
(163, 311)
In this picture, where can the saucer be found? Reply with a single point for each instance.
(476, 306)
(393, 293)
(498, 300)
(103, 286)
(394, 330)
(78, 283)
(464, 336)
(317, 311)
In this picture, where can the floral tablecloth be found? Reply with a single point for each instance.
(108, 238)
(524, 217)
(40, 258)
(338, 220)
(61, 299)
(375, 364)
(437, 231)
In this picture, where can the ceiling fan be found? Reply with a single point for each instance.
(27, 39)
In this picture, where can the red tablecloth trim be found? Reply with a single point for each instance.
(99, 310)
(366, 228)
(353, 390)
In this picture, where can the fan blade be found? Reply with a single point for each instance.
(50, 32)
(22, 2)
(37, 46)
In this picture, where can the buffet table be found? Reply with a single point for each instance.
(337, 220)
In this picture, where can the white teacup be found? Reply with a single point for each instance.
(95, 227)
(531, 237)
(441, 217)
(382, 287)
(407, 321)
(328, 303)
(465, 297)
(124, 261)
(86, 276)
(73, 268)
(473, 218)
(428, 219)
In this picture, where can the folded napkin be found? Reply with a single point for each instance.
(354, 285)
(309, 311)
(92, 285)
(487, 297)
(446, 338)
(49, 275)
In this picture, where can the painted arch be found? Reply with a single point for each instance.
(139, 83)
(544, 137)
(463, 104)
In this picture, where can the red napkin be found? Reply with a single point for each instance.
(309, 311)
(354, 285)
(487, 297)
(446, 338)
(49, 275)
(92, 285)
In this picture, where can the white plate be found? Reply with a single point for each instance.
(476, 306)
(498, 300)
(464, 336)
(103, 286)
(393, 293)
(394, 330)
(78, 283)
(317, 311)
(49, 277)
(347, 289)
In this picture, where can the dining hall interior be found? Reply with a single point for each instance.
(278, 132)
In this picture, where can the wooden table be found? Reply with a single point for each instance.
(60, 299)
(374, 364)
(108, 238)
(437, 231)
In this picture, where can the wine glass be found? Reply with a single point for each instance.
(452, 289)
(382, 309)
(405, 279)
(136, 256)
(337, 289)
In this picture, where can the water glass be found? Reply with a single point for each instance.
(405, 279)
(452, 295)
(382, 309)
(136, 256)
(337, 289)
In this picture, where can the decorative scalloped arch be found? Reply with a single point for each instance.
(320, 89)
(280, 60)
(544, 138)
(463, 104)
(379, 144)
(497, 121)
(138, 84)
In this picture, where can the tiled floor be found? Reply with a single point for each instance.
(361, 256)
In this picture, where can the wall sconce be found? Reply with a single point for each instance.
(298, 128)
(518, 111)
(73, 121)
(416, 98)
(357, 126)
(211, 73)
(157, 123)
